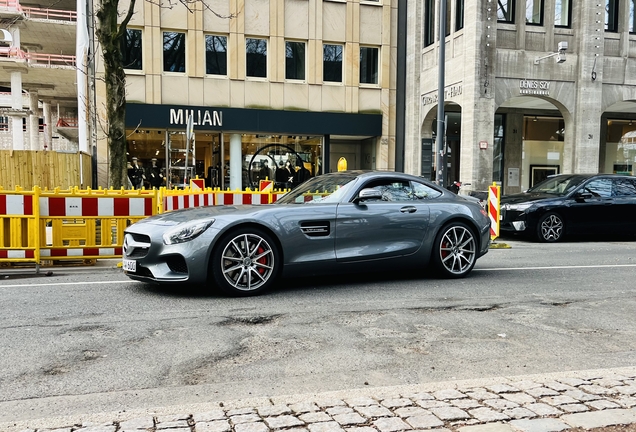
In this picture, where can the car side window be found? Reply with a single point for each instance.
(600, 188)
(424, 192)
(392, 190)
(624, 188)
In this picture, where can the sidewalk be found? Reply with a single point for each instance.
(530, 403)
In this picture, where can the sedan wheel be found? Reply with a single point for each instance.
(550, 228)
(455, 250)
(245, 262)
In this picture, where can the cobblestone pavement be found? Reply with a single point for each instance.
(532, 403)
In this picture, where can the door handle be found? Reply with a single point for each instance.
(409, 209)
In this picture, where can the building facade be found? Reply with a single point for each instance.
(532, 88)
(239, 91)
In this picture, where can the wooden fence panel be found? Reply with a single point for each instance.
(47, 169)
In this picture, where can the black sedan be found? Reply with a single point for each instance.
(339, 222)
(572, 204)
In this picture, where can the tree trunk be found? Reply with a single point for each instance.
(109, 34)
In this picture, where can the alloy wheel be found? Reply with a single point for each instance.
(458, 250)
(247, 262)
(551, 228)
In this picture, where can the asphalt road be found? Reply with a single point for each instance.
(91, 340)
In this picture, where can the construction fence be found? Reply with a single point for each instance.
(43, 226)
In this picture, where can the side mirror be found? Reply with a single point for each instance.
(583, 195)
(367, 194)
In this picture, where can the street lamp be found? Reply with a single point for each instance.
(560, 54)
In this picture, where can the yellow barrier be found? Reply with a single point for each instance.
(19, 218)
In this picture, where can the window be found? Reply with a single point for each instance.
(215, 55)
(429, 22)
(534, 12)
(506, 11)
(392, 190)
(4, 123)
(256, 57)
(295, 60)
(459, 15)
(174, 52)
(422, 191)
(632, 16)
(332, 63)
(498, 148)
(131, 49)
(611, 15)
(563, 13)
(369, 65)
(624, 188)
(599, 188)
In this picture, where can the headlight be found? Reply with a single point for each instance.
(186, 231)
(519, 207)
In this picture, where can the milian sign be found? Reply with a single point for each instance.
(534, 87)
(449, 92)
(200, 117)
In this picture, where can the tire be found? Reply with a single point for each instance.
(245, 262)
(550, 228)
(455, 250)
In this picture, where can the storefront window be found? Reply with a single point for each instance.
(498, 148)
(131, 49)
(542, 148)
(620, 147)
(174, 46)
(286, 160)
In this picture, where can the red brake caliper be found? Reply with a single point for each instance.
(261, 260)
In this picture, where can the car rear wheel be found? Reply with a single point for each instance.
(245, 262)
(550, 228)
(455, 250)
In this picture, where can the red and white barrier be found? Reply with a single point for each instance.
(239, 198)
(96, 206)
(16, 205)
(177, 202)
(81, 252)
(493, 210)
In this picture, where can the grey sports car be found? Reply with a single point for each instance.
(339, 222)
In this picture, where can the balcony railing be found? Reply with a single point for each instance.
(40, 13)
(38, 59)
(70, 122)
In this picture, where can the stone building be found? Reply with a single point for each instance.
(273, 88)
(532, 88)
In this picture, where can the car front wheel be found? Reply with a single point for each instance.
(550, 228)
(455, 250)
(245, 262)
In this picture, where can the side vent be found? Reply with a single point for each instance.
(315, 228)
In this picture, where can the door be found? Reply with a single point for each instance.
(389, 227)
(591, 210)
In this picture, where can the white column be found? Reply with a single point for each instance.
(236, 166)
(48, 127)
(34, 115)
(16, 104)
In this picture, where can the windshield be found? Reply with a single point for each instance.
(558, 185)
(324, 189)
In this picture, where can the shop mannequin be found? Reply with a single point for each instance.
(154, 174)
(136, 174)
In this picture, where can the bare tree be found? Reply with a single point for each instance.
(110, 33)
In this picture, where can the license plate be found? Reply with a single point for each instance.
(129, 265)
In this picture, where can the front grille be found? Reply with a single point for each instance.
(177, 264)
(136, 245)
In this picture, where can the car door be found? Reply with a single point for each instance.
(381, 228)
(591, 209)
(624, 193)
